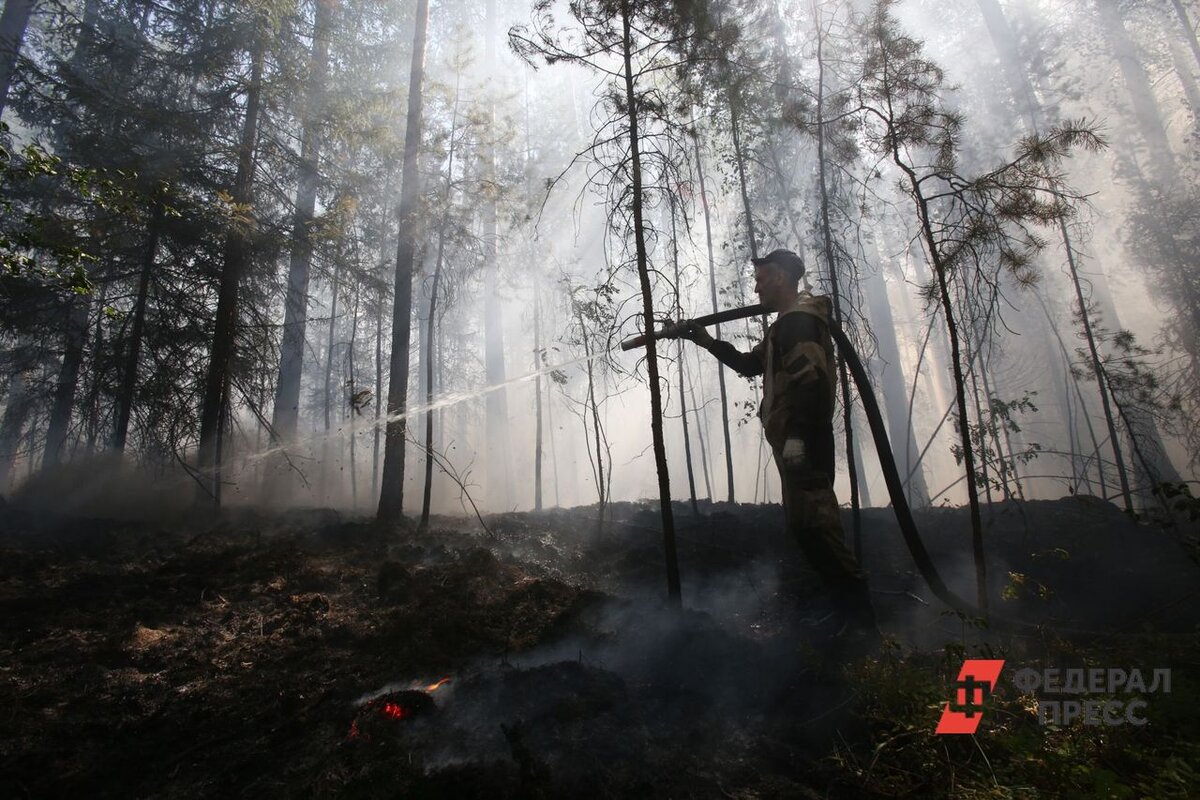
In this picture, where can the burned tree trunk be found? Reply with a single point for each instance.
(129, 374)
(639, 233)
(712, 286)
(429, 340)
(16, 412)
(683, 408)
(591, 405)
(499, 472)
(375, 428)
(431, 326)
(1094, 354)
(391, 495)
(889, 371)
(537, 404)
(327, 394)
(236, 259)
(75, 340)
(286, 412)
(836, 295)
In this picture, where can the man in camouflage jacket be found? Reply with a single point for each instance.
(796, 362)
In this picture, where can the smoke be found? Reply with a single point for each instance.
(631, 681)
(108, 486)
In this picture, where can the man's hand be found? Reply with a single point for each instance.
(696, 333)
(793, 452)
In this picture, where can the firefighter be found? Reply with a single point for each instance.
(797, 365)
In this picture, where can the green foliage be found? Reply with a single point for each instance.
(1132, 374)
(47, 244)
(998, 417)
(1019, 585)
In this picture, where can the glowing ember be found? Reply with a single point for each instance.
(375, 716)
(396, 711)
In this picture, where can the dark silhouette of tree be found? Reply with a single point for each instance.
(285, 415)
(970, 228)
(637, 35)
(215, 403)
(391, 495)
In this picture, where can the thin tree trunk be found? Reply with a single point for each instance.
(75, 337)
(1097, 369)
(537, 403)
(538, 360)
(1073, 385)
(93, 403)
(391, 496)
(327, 405)
(13, 23)
(352, 394)
(1006, 463)
(712, 286)
(594, 408)
(375, 429)
(439, 375)
(964, 421)
(889, 371)
(31, 442)
(16, 412)
(129, 375)
(236, 258)
(739, 159)
(498, 443)
(553, 448)
(864, 489)
(431, 329)
(286, 413)
(836, 294)
(429, 338)
(660, 455)
(683, 412)
(960, 394)
(740, 162)
(974, 367)
(700, 427)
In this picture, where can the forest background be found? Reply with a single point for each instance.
(275, 251)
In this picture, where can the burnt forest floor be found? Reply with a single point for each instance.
(288, 656)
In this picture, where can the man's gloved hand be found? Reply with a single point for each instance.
(696, 333)
(793, 452)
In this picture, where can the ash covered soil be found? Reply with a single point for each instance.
(289, 656)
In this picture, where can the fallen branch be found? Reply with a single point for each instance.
(443, 463)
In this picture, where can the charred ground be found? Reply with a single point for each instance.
(240, 658)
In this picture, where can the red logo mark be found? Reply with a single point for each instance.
(974, 686)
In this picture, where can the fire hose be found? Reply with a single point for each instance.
(883, 447)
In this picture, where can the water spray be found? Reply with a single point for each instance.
(445, 401)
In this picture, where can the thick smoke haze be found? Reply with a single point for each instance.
(523, 222)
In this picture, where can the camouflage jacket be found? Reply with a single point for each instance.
(796, 362)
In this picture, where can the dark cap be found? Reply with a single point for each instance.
(786, 260)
